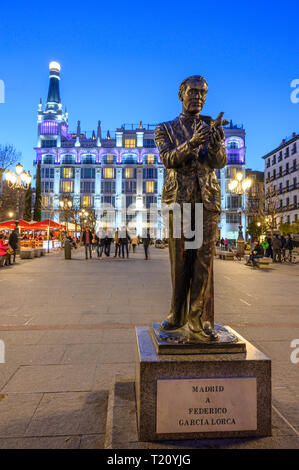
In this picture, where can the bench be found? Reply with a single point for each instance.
(226, 255)
(264, 263)
(26, 254)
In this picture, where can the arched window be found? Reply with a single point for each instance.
(129, 159)
(234, 143)
(48, 159)
(68, 159)
(109, 159)
(88, 159)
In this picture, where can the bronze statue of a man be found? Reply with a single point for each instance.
(191, 147)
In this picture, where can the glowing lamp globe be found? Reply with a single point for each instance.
(54, 66)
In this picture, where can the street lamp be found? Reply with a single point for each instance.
(20, 180)
(239, 186)
(66, 205)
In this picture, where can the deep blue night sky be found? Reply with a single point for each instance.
(123, 62)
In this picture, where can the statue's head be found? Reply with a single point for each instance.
(192, 93)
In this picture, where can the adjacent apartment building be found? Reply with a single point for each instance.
(282, 177)
(120, 169)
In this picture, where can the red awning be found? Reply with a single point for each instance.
(10, 224)
(45, 224)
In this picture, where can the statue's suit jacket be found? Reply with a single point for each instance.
(186, 169)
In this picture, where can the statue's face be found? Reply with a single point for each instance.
(194, 96)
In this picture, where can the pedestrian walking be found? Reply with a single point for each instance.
(101, 245)
(124, 241)
(117, 243)
(146, 243)
(134, 242)
(87, 242)
(108, 241)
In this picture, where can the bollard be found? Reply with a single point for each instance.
(67, 249)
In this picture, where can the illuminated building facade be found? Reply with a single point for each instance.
(232, 206)
(123, 169)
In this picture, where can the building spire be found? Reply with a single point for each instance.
(53, 99)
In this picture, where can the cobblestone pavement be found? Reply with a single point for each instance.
(68, 328)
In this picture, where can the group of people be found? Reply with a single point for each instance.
(279, 248)
(8, 248)
(123, 242)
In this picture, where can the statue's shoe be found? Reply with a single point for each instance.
(205, 330)
(167, 326)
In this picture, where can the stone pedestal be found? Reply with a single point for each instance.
(196, 396)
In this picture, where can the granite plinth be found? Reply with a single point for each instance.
(248, 410)
(184, 341)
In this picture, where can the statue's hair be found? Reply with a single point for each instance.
(184, 83)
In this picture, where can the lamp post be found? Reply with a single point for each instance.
(66, 205)
(20, 180)
(240, 186)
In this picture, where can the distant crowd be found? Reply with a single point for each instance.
(102, 243)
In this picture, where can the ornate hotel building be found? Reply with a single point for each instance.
(121, 169)
(282, 173)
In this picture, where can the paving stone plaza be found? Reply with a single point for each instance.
(68, 329)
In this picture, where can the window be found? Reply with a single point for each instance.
(233, 218)
(150, 159)
(87, 186)
(48, 159)
(287, 168)
(108, 186)
(68, 159)
(48, 143)
(66, 186)
(274, 160)
(130, 143)
(150, 186)
(149, 143)
(294, 165)
(280, 171)
(45, 201)
(268, 163)
(67, 173)
(108, 159)
(294, 183)
(150, 200)
(129, 159)
(108, 172)
(49, 127)
(88, 159)
(88, 173)
(274, 173)
(150, 173)
(294, 149)
(130, 187)
(295, 200)
(129, 172)
(86, 201)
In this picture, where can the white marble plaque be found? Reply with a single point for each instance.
(205, 405)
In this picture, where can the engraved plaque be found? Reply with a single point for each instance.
(206, 405)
